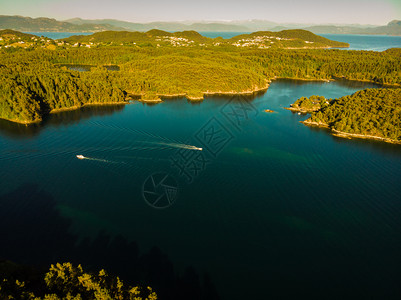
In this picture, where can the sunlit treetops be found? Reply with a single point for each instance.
(38, 81)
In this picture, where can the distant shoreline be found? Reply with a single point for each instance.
(57, 110)
(217, 93)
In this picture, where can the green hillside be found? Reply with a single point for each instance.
(8, 35)
(262, 39)
(286, 37)
(36, 80)
(47, 24)
(370, 113)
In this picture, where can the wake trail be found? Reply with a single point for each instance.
(99, 159)
(137, 131)
(176, 145)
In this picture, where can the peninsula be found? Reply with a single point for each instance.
(40, 75)
(368, 114)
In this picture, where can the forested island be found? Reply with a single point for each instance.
(36, 77)
(370, 114)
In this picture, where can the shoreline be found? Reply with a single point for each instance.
(339, 79)
(57, 110)
(219, 93)
(301, 110)
(307, 79)
(150, 101)
(157, 100)
(347, 135)
(247, 92)
(26, 123)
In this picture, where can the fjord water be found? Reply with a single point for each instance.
(366, 42)
(281, 211)
(356, 41)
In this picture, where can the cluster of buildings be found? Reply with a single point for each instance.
(15, 41)
(258, 41)
(175, 41)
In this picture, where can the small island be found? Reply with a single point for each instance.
(308, 105)
(368, 114)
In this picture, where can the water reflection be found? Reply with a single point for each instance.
(65, 118)
(353, 84)
(87, 68)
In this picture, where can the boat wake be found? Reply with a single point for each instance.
(160, 140)
(79, 156)
(175, 145)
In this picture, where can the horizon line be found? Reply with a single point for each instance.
(222, 21)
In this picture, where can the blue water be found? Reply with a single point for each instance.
(357, 42)
(269, 209)
(367, 42)
(59, 35)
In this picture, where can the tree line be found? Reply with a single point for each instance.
(33, 83)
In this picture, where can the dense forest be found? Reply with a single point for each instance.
(66, 281)
(36, 81)
(370, 113)
(295, 34)
(311, 104)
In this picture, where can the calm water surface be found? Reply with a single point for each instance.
(59, 35)
(269, 209)
(357, 42)
(366, 42)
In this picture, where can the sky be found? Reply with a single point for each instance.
(376, 12)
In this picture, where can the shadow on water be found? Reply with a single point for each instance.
(15, 130)
(31, 225)
(86, 112)
(69, 117)
(376, 145)
(64, 118)
(354, 84)
(384, 148)
(33, 232)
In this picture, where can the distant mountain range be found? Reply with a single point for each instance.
(46, 25)
(82, 25)
(167, 26)
(392, 28)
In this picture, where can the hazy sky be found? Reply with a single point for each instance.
(282, 11)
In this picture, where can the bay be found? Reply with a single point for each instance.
(269, 208)
(367, 42)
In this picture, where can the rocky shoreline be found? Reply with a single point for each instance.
(347, 135)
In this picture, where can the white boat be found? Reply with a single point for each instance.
(80, 156)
